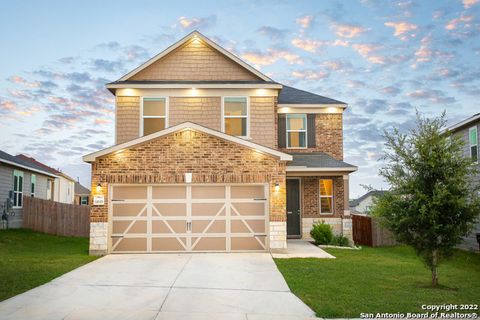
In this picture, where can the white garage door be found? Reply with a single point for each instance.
(176, 218)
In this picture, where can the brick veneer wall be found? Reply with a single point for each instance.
(205, 111)
(262, 121)
(127, 118)
(195, 60)
(329, 135)
(210, 159)
(311, 200)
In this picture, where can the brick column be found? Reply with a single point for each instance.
(346, 219)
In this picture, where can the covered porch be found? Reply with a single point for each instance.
(317, 190)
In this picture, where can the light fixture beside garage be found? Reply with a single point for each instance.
(98, 188)
(277, 187)
(188, 177)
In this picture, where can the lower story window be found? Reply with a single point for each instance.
(84, 200)
(326, 196)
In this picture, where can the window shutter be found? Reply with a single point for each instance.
(282, 130)
(311, 130)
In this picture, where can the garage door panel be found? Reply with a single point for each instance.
(249, 209)
(131, 245)
(247, 192)
(188, 218)
(209, 244)
(126, 226)
(247, 243)
(128, 209)
(170, 209)
(129, 192)
(208, 209)
(200, 226)
(168, 244)
(169, 192)
(208, 192)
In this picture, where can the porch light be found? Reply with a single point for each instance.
(98, 188)
(188, 177)
(277, 186)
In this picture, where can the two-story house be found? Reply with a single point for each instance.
(213, 155)
(468, 131)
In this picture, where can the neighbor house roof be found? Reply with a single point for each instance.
(188, 126)
(37, 163)
(373, 193)
(196, 34)
(289, 95)
(472, 119)
(317, 161)
(81, 190)
(18, 162)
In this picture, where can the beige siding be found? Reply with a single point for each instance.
(195, 60)
(128, 119)
(262, 114)
(205, 111)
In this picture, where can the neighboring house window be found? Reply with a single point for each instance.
(235, 116)
(154, 115)
(84, 200)
(17, 188)
(473, 137)
(326, 196)
(296, 130)
(33, 181)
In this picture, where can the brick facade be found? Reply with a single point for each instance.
(210, 159)
(195, 60)
(311, 199)
(127, 119)
(328, 135)
(205, 111)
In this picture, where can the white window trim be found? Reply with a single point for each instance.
(247, 116)
(13, 184)
(305, 130)
(166, 117)
(470, 143)
(33, 177)
(81, 200)
(320, 198)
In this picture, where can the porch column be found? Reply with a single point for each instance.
(346, 196)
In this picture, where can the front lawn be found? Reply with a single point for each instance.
(371, 280)
(29, 259)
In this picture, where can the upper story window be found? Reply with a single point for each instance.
(326, 196)
(33, 181)
(235, 116)
(154, 115)
(296, 130)
(473, 139)
(17, 188)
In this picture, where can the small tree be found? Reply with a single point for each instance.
(432, 203)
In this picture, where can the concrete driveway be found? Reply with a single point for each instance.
(167, 286)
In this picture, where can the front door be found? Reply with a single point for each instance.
(293, 208)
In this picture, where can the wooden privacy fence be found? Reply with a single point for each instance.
(52, 217)
(367, 231)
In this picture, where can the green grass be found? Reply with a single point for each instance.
(29, 259)
(371, 280)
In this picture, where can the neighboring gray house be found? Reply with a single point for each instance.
(19, 178)
(468, 131)
(82, 194)
(365, 202)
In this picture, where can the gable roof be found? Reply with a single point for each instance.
(472, 119)
(290, 95)
(188, 126)
(317, 161)
(16, 162)
(373, 193)
(81, 190)
(195, 34)
(46, 168)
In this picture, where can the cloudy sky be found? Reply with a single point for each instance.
(384, 58)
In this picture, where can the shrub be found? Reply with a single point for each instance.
(321, 233)
(340, 241)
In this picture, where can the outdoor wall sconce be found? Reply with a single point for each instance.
(188, 177)
(277, 186)
(99, 188)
